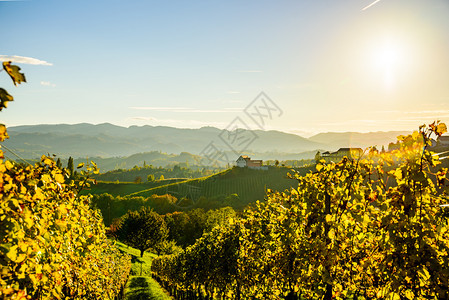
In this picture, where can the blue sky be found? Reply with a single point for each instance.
(329, 65)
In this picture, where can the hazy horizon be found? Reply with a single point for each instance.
(206, 126)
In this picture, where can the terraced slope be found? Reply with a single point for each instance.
(126, 188)
(250, 185)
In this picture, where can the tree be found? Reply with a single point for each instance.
(70, 167)
(219, 217)
(195, 228)
(150, 178)
(276, 162)
(177, 224)
(58, 163)
(142, 229)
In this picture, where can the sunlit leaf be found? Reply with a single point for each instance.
(441, 129)
(3, 134)
(59, 178)
(14, 72)
(4, 98)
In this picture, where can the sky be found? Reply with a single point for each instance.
(350, 65)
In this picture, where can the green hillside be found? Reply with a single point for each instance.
(126, 188)
(250, 185)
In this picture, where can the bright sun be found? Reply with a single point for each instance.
(388, 56)
(388, 59)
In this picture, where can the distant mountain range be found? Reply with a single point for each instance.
(107, 140)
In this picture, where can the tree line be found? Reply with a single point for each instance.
(145, 229)
(149, 173)
(113, 208)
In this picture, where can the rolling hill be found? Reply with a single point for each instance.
(250, 185)
(126, 188)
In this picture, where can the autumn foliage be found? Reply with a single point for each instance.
(52, 245)
(371, 228)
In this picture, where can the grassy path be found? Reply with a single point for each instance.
(144, 287)
(140, 284)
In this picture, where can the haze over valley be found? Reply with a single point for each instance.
(105, 141)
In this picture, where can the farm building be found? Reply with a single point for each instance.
(246, 161)
(351, 153)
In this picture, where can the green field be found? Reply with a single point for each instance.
(250, 185)
(126, 188)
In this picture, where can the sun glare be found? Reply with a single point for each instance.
(388, 56)
(389, 61)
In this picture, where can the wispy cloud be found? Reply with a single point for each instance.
(143, 119)
(423, 112)
(299, 86)
(434, 113)
(366, 7)
(178, 123)
(249, 71)
(47, 83)
(398, 123)
(188, 109)
(228, 101)
(24, 60)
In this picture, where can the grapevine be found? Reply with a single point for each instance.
(369, 228)
(52, 245)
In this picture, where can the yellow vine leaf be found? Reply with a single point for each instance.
(4, 98)
(59, 178)
(3, 134)
(14, 72)
(14, 255)
(409, 294)
(8, 165)
(395, 296)
(441, 129)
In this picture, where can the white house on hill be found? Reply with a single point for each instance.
(246, 161)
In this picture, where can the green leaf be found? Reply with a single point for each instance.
(14, 73)
(4, 98)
